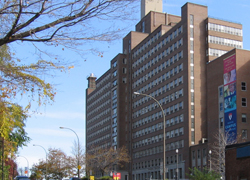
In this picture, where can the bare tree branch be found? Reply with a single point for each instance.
(60, 15)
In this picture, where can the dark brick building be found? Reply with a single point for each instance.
(178, 60)
(238, 161)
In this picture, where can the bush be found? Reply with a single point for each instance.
(85, 178)
(106, 178)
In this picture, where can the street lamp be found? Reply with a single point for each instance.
(164, 137)
(210, 164)
(78, 156)
(177, 151)
(46, 159)
(27, 163)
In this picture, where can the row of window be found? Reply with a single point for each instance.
(102, 83)
(160, 79)
(95, 148)
(114, 64)
(224, 29)
(169, 110)
(215, 52)
(104, 103)
(99, 115)
(159, 149)
(148, 130)
(170, 174)
(163, 54)
(143, 121)
(226, 42)
(155, 37)
(191, 16)
(98, 124)
(198, 154)
(98, 132)
(169, 122)
(99, 92)
(162, 66)
(175, 95)
(99, 140)
(169, 134)
(157, 162)
(152, 163)
(161, 90)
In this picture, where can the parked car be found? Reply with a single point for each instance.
(74, 178)
(21, 178)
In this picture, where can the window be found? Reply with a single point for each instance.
(221, 91)
(221, 122)
(198, 154)
(244, 134)
(124, 80)
(124, 61)
(191, 19)
(114, 82)
(244, 102)
(243, 86)
(115, 73)
(221, 106)
(244, 118)
(143, 26)
(124, 70)
(114, 64)
(193, 155)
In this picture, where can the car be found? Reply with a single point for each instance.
(21, 178)
(74, 178)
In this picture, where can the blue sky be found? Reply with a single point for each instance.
(68, 110)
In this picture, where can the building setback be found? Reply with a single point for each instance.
(178, 60)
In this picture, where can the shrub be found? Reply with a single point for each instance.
(106, 178)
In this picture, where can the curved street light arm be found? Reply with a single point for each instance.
(78, 154)
(46, 159)
(164, 126)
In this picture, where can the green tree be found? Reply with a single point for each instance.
(203, 175)
(12, 124)
(51, 23)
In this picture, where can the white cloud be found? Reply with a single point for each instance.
(63, 115)
(54, 132)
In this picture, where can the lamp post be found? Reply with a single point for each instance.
(177, 151)
(46, 159)
(164, 137)
(27, 163)
(210, 163)
(78, 156)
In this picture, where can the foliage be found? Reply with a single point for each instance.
(23, 79)
(20, 79)
(68, 23)
(103, 159)
(12, 123)
(203, 175)
(85, 178)
(58, 166)
(106, 178)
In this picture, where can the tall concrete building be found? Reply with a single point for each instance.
(174, 60)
